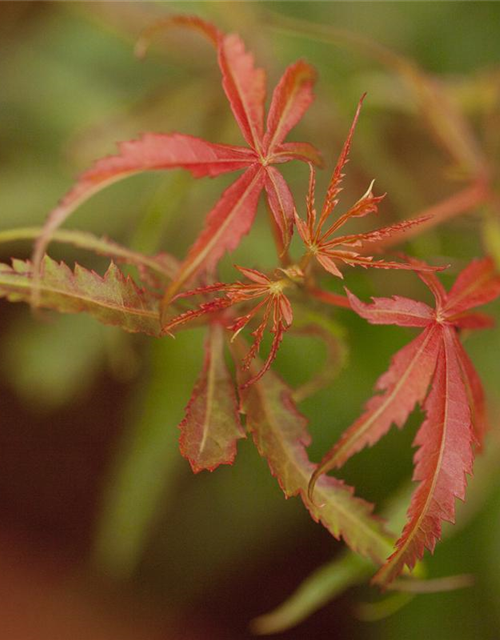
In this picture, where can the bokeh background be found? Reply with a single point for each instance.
(104, 531)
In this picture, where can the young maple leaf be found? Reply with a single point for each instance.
(212, 426)
(232, 216)
(113, 299)
(455, 412)
(275, 306)
(327, 249)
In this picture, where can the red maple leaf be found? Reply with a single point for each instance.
(326, 249)
(275, 307)
(232, 216)
(454, 407)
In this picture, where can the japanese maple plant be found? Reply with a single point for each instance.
(433, 370)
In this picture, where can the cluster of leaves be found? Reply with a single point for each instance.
(455, 413)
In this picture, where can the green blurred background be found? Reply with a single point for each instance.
(106, 532)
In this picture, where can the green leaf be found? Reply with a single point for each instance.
(322, 586)
(113, 299)
(212, 424)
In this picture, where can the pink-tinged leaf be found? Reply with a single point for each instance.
(363, 207)
(113, 299)
(329, 264)
(158, 151)
(357, 239)
(477, 284)
(212, 425)
(404, 385)
(472, 321)
(229, 220)
(245, 87)
(281, 436)
(334, 187)
(396, 310)
(354, 259)
(297, 151)
(475, 393)
(152, 152)
(442, 461)
(273, 352)
(205, 308)
(430, 279)
(310, 207)
(255, 276)
(291, 99)
(281, 203)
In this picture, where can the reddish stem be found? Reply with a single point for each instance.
(458, 203)
(329, 298)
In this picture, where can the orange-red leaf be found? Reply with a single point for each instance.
(396, 310)
(475, 393)
(442, 461)
(152, 152)
(291, 99)
(280, 202)
(334, 187)
(477, 284)
(212, 426)
(245, 87)
(229, 220)
(358, 239)
(404, 384)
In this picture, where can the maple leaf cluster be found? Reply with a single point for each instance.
(433, 370)
(455, 410)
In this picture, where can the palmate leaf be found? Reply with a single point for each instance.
(324, 246)
(280, 434)
(113, 299)
(404, 385)
(442, 462)
(232, 217)
(332, 579)
(212, 426)
(456, 416)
